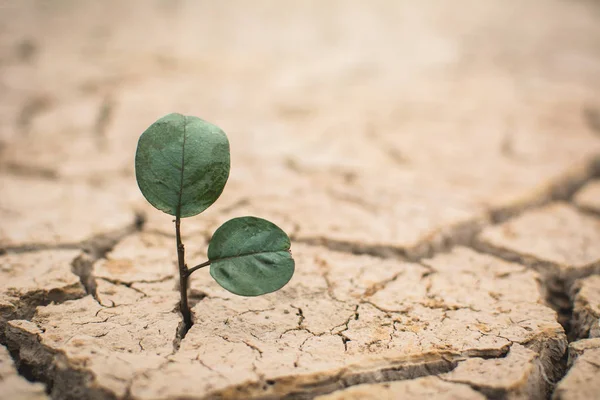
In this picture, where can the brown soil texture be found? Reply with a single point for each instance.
(436, 165)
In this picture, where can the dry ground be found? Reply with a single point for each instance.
(436, 164)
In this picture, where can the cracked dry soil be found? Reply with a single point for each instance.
(436, 164)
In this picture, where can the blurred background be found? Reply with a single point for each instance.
(376, 123)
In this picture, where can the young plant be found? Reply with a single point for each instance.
(181, 166)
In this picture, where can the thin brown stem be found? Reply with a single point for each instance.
(197, 267)
(183, 277)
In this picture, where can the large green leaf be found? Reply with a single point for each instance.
(250, 256)
(182, 164)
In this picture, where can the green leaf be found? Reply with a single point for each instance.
(250, 256)
(182, 164)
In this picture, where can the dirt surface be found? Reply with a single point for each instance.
(435, 163)
(14, 386)
(581, 382)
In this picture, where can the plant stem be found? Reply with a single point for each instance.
(197, 267)
(183, 276)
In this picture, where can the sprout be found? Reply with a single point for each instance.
(181, 166)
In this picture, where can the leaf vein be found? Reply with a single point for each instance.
(182, 166)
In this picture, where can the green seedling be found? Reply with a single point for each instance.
(181, 166)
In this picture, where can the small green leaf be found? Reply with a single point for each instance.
(250, 256)
(182, 164)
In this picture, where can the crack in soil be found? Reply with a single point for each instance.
(96, 248)
(314, 385)
(98, 245)
(561, 189)
(103, 120)
(25, 170)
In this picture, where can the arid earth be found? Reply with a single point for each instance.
(436, 164)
